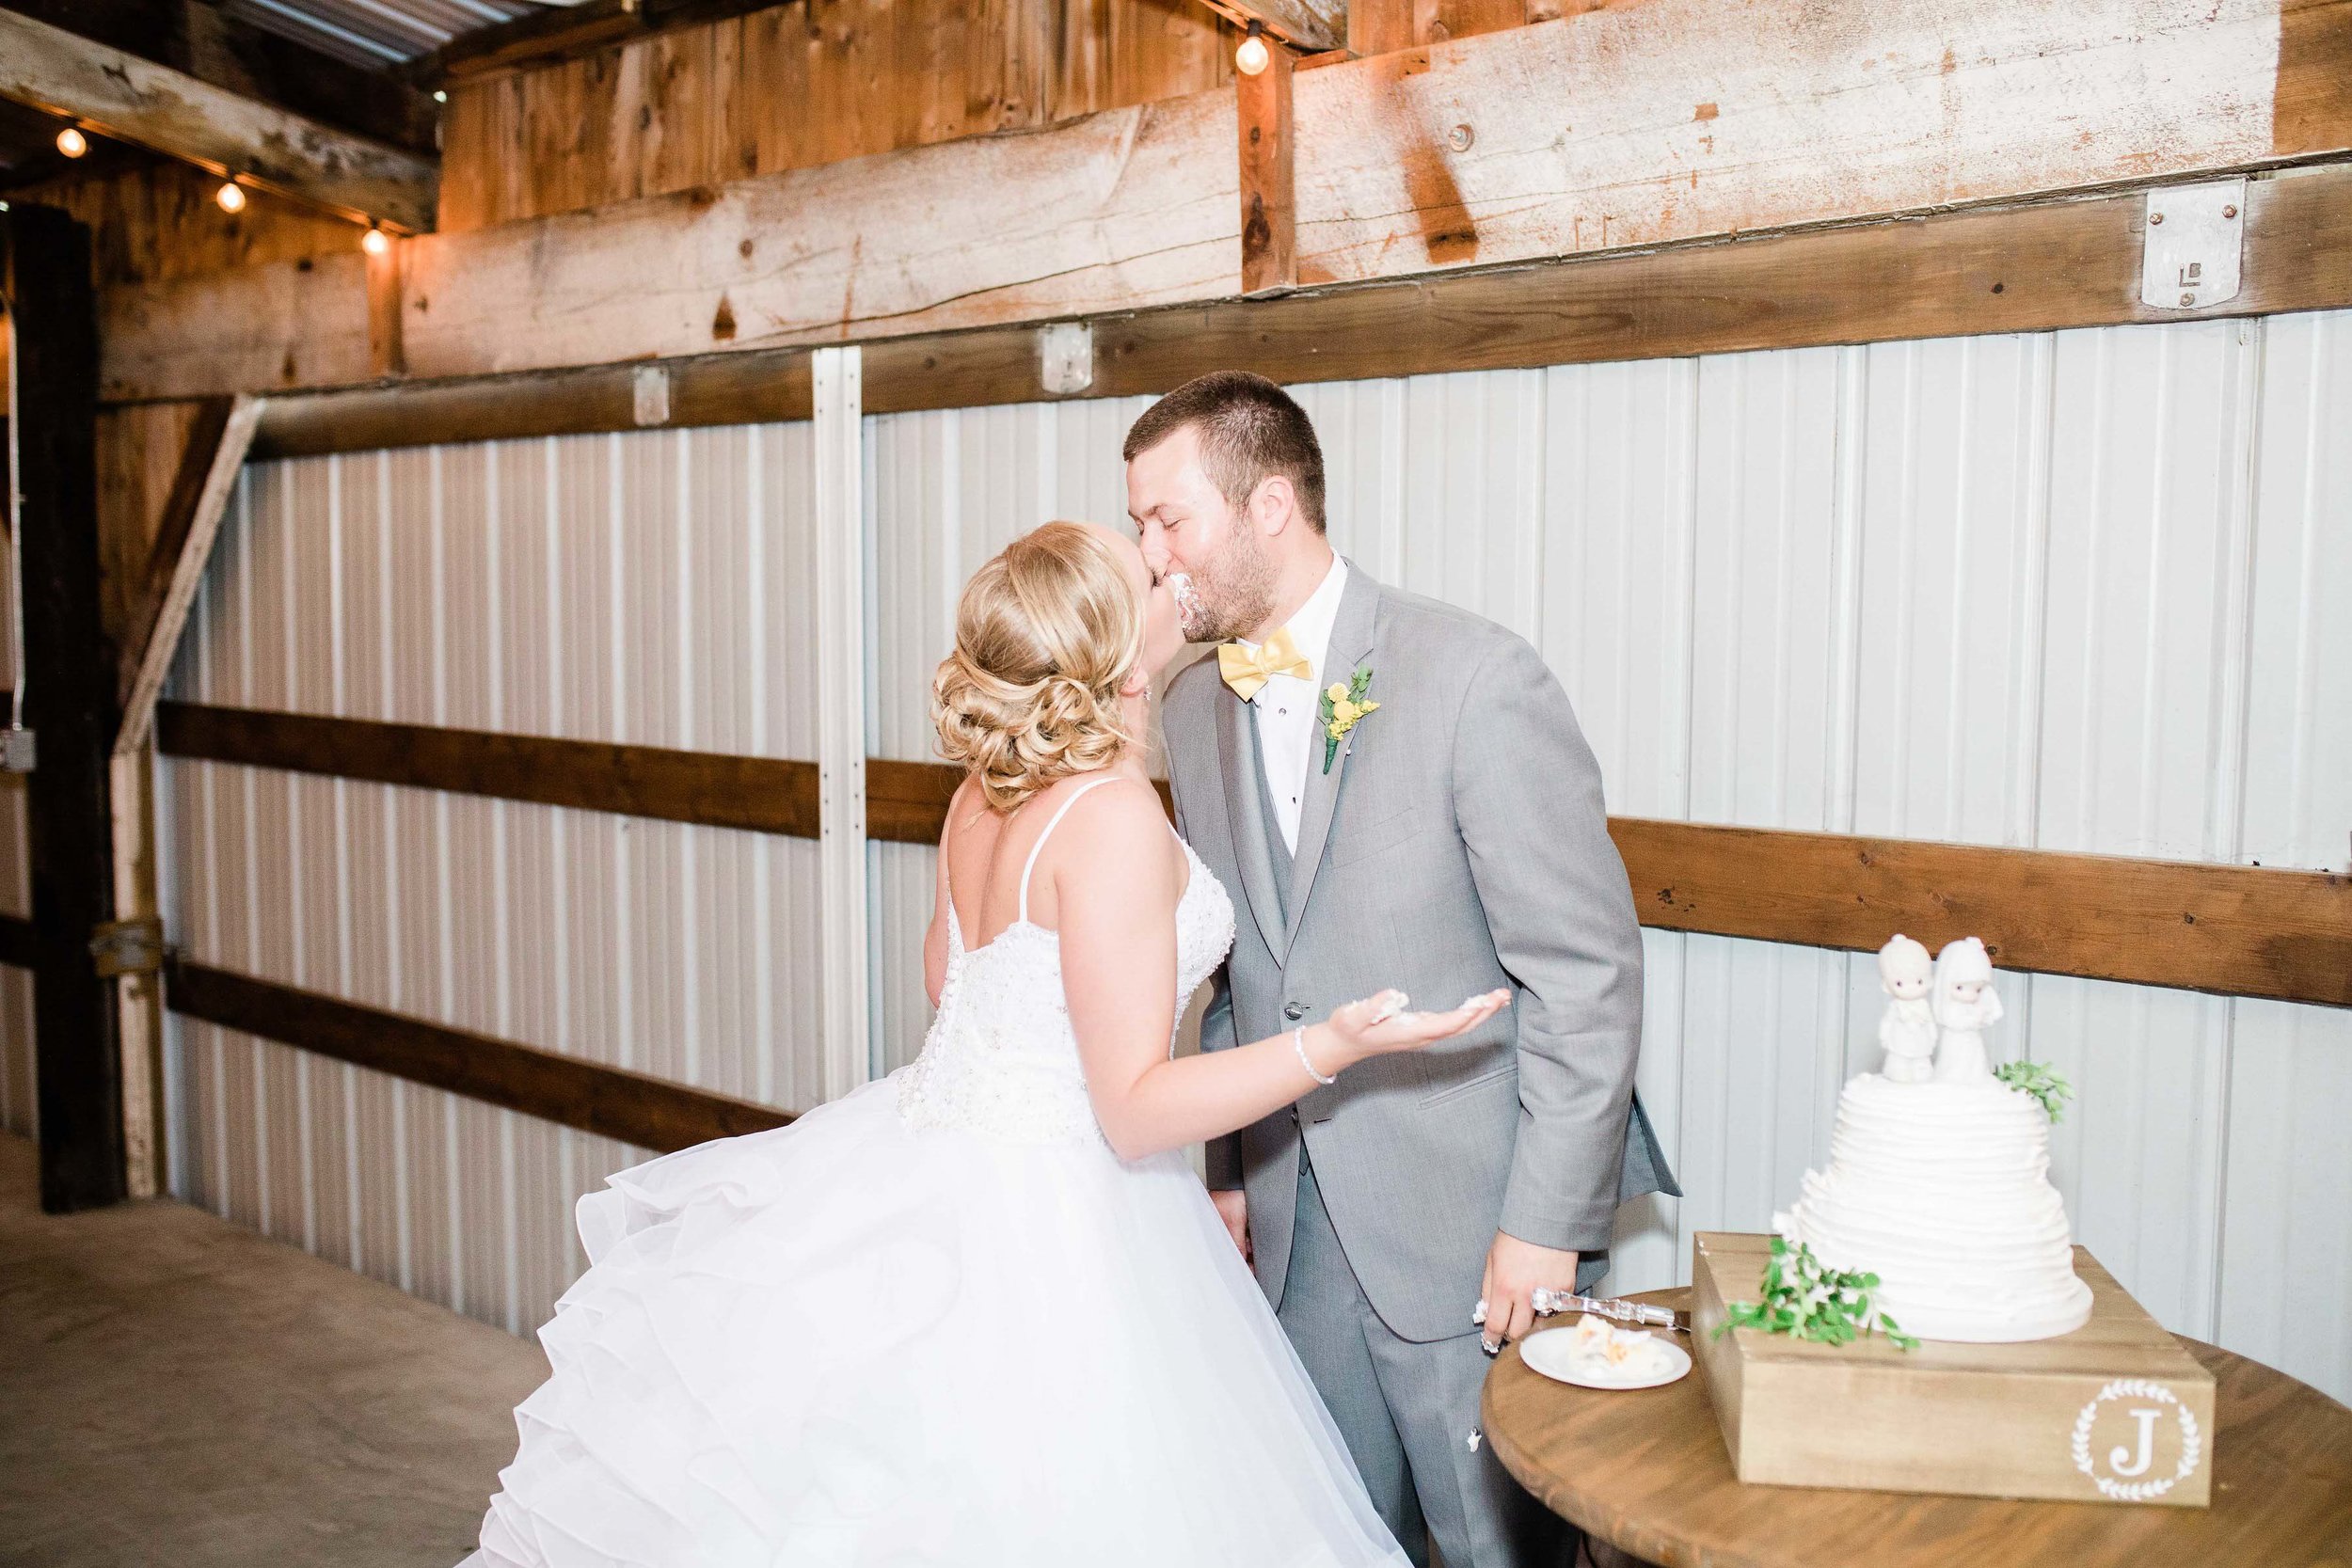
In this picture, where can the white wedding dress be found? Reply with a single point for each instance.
(934, 1322)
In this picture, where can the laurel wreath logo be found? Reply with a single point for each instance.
(2192, 1441)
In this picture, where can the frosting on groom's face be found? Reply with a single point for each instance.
(1188, 531)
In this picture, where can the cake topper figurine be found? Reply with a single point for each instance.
(1964, 1004)
(1907, 1028)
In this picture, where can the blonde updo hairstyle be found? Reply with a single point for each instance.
(1046, 635)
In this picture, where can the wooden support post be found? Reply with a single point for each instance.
(1379, 27)
(1269, 233)
(70, 704)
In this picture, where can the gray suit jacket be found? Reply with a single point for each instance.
(1458, 844)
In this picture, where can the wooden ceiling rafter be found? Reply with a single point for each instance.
(1310, 26)
(130, 99)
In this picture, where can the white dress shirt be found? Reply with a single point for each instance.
(1286, 707)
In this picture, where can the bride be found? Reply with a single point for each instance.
(981, 1312)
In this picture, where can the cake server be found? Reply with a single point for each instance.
(1548, 1302)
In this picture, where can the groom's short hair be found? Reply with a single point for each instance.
(1248, 427)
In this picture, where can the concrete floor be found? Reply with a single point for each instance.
(177, 1392)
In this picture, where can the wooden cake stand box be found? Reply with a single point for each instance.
(2116, 1411)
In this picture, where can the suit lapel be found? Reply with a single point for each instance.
(1237, 761)
(1351, 642)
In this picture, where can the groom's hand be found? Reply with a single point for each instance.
(1232, 1207)
(1514, 1270)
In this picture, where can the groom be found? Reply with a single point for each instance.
(1451, 840)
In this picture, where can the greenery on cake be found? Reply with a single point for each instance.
(1805, 1299)
(2036, 1079)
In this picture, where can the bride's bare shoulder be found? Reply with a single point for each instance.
(1119, 827)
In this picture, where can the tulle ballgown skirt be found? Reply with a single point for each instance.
(851, 1342)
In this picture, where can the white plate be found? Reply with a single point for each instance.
(1548, 1353)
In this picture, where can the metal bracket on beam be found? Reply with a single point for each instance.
(1065, 351)
(133, 946)
(649, 395)
(2195, 238)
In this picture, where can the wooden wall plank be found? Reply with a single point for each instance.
(155, 220)
(1676, 120)
(761, 794)
(1138, 207)
(2062, 265)
(141, 447)
(793, 86)
(151, 584)
(1114, 206)
(2237, 930)
(280, 326)
(612, 1103)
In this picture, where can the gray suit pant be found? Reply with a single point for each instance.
(1408, 1411)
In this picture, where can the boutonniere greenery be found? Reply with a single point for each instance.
(1342, 708)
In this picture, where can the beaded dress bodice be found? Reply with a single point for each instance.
(1001, 1057)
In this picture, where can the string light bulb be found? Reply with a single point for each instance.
(71, 142)
(231, 196)
(1253, 56)
(376, 242)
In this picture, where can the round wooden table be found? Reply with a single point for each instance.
(1648, 1472)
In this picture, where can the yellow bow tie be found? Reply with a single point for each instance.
(1246, 670)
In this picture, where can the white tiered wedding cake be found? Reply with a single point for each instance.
(1939, 1184)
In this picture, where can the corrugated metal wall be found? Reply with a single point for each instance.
(654, 589)
(2065, 590)
(16, 1112)
(2062, 590)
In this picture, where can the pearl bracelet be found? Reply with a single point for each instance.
(1298, 1040)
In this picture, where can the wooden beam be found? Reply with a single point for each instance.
(69, 699)
(2059, 264)
(760, 794)
(183, 544)
(2234, 929)
(1311, 25)
(1269, 209)
(138, 101)
(714, 389)
(2239, 930)
(634, 1107)
(1657, 125)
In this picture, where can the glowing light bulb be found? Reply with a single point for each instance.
(231, 196)
(376, 242)
(71, 142)
(1253, 56)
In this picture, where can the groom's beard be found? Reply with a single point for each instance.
(1233, 590)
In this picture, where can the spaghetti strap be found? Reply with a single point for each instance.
(1054, 822)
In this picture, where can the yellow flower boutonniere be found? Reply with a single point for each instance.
(1343, 706)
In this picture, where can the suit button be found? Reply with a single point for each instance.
(1294, 1011)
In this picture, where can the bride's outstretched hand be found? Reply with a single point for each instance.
(1380, 1024)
